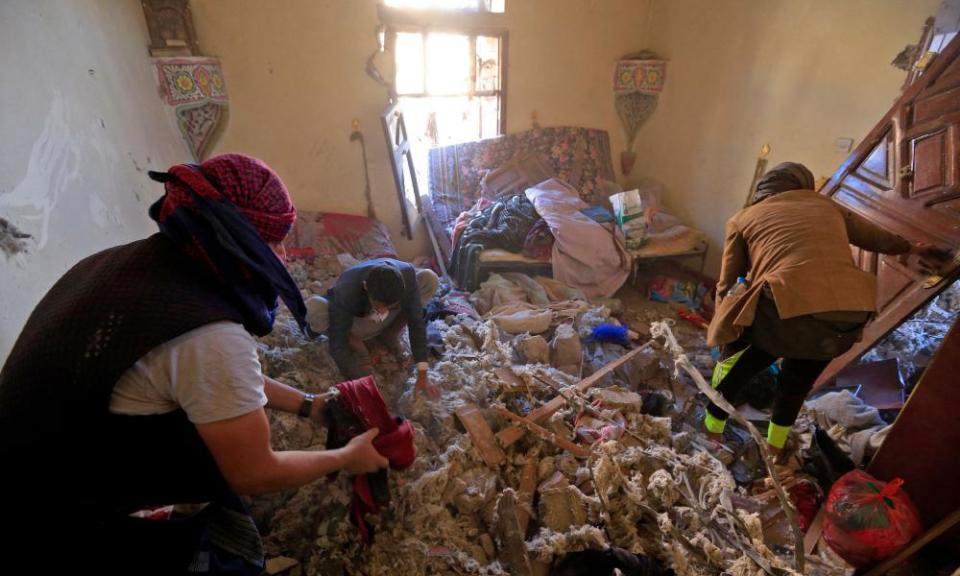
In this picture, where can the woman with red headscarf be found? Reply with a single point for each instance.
(142, 359)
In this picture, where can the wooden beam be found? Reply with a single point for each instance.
(481, 435)
(528, 485)
(544, 434)
(511, 434)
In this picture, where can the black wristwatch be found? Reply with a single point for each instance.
(306, 407)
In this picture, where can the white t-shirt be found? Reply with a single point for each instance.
(212, 373)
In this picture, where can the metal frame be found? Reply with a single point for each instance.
(395, 132)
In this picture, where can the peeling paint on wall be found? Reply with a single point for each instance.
(54, 164)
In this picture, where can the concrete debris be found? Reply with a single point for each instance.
(520, 317)
(467, 503)
(534, 349)
(915, 341)
(562, 506)
(617, 398)
(566, 352)
(511, 537)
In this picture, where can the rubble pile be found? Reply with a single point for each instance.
(494, 490)
(915, 341)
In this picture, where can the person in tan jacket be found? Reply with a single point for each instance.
(803, 299)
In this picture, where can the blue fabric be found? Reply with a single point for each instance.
(611, 333)
(597, 214)
(217, 235)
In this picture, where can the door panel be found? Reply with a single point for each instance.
(930, 162)
(877, 168)
(904, 178)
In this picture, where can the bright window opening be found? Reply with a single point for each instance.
(450, 88)
(496, 6)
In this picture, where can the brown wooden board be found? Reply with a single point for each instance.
(921, 447)
(481, 435)
(528, 485)
(905, 177)
(511, 434)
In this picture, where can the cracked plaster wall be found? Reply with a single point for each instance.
(82, 122)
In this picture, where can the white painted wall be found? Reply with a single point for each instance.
(81, 122)
(796, 74)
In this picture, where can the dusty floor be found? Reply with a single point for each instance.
(653, 489)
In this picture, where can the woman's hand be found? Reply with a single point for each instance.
(932, 258)
(361, 456)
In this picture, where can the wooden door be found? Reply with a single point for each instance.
(905, 177)
(921, 447)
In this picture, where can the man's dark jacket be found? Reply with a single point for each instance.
(348, 299)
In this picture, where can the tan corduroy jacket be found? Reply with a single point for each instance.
(798, 243)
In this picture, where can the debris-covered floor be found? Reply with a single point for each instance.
(641, 478)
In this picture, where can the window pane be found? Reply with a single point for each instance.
(408, 190)
(488, 63)
(468, 5)
(409, 63)
(448, 64)
(489, 116)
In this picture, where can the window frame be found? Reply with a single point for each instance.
(390, 42)
(480, 8)
(471, 24)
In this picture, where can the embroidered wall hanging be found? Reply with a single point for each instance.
(195, 89)
(637, 82)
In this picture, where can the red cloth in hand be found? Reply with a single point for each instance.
(395, 441)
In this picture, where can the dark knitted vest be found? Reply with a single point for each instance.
(101, 317)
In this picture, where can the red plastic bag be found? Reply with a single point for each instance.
(868, 520)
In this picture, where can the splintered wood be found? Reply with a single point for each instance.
(511, 434)
(662, 329)
(544, 434)
(481, 435)
(513, 546)
(528, 484)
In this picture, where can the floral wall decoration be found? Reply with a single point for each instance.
(194, 88)
(637, 83)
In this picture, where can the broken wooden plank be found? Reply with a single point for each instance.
(812, 536)
(546, 435)
(481, 435)
(510, 378)
(662, 329)
(528, 484)
(513, 547)
(511, 434)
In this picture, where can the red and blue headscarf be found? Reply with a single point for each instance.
(222, 213)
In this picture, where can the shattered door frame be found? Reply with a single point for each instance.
(905, 177)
